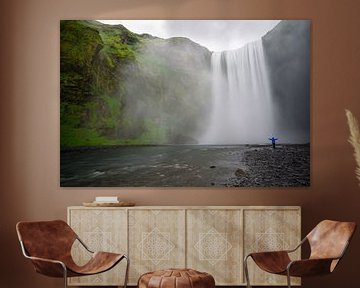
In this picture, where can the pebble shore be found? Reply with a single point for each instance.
(263, 166)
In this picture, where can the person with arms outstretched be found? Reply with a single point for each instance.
(273, 140)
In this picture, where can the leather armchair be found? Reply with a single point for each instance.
(328, 243)
(48, 245)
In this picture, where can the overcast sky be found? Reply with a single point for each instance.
(216, 35)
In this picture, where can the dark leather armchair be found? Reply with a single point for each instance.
(328, 242)
(48, 245)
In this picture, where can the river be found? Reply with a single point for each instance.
(186, 166)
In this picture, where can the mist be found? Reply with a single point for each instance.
(167, 92)
(287, 51)
(170, 89)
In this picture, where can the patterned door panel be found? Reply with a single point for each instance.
(270, 230)
(101, 230)
(214, 241)
(157, 240)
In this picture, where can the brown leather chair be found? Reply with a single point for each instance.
(48, 245)
(328, 242)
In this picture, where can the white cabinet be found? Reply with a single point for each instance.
(210, 239)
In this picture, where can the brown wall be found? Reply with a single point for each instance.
(29, 119)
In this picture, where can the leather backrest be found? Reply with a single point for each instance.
(47, 239)
(329, 238)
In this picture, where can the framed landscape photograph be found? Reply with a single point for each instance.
(184, 103)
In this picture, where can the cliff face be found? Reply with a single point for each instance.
(118, 87)
(287, 50)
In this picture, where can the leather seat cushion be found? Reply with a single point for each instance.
(176, 278)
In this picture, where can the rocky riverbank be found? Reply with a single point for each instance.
(263, 166)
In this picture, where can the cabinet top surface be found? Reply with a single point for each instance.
(192, 207)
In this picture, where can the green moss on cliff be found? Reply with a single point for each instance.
(118, 87)
(88, 62)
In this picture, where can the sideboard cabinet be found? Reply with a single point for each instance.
(212, 239)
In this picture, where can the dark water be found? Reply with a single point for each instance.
(183, 165)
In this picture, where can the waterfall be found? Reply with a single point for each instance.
(241, 110)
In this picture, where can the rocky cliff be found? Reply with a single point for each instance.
(118, 87)
(287, 50)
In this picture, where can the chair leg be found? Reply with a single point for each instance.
(127, 271)
(288, 278)
(65, 276)
(246, 270)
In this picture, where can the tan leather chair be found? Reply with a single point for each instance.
(48, 245)
(328, 242)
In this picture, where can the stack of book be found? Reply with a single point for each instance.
(106, 199)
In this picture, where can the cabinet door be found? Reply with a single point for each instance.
(156, 240)
(101, 230)
(270, 230)
(214, 244)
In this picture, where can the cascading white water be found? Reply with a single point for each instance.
(242, 109)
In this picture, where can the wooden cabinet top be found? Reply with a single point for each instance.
(193, 207)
